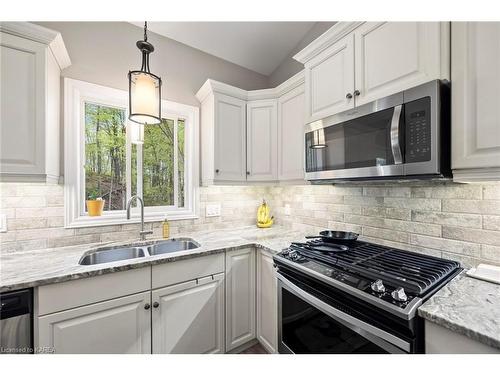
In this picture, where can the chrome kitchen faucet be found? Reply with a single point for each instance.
(143, 232)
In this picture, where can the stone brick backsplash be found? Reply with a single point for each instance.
(456, 221)
(35, 216)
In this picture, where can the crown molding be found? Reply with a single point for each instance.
(211, 86)
(53, 39)
(325, 40)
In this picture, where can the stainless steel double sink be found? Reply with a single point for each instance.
(114, 254)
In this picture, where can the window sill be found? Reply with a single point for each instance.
(121, 218)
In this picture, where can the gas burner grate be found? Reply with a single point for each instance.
(417, 273)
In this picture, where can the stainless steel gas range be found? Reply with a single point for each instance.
(362, 298)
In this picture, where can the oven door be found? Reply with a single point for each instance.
(361, 143)
(307, 324)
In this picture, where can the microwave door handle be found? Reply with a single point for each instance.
(395, 145)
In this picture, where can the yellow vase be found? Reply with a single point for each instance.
(94, 208)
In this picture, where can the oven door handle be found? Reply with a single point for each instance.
(379, 337)
(395, 144)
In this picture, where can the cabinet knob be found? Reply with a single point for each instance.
(147, 306)
(216, 171)
(349, 95)
(156, 305)
(356, 93)
(248, 173)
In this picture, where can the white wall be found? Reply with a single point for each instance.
(289, 66)
(104, 52)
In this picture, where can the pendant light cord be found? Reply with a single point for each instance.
(145, 31)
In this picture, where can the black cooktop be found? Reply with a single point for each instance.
(393, 275)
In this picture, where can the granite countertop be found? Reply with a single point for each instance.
(468, 306)
(41, 267)
(465, 305)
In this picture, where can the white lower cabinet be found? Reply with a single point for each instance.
(189, 306)
(240, 297)
(188, 318)
(121, 325)
(267, 303)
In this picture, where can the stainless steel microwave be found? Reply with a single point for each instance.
(405, 135)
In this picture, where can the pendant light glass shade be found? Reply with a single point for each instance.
(144, 88)
(145, 100)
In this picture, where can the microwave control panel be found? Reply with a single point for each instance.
(418, 131)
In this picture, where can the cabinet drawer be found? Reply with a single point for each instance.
(67, 295)
(184, 270)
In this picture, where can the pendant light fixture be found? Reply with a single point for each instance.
(144, 91)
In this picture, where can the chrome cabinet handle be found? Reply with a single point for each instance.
(156, 305)
(395, 146)
(147, 306)
(349, 95)
(216, 171)
(248, 173)
(357, 93)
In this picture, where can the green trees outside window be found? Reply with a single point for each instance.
(105, 159)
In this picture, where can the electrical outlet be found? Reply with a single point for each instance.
(288, 210)
(212, 210)
(3, 223)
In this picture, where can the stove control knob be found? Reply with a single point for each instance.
(378, 286)
(399, 295)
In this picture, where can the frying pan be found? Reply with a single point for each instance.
(336, 236)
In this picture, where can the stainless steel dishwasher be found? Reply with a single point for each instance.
(16, 322)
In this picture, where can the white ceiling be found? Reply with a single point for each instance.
(258, 46)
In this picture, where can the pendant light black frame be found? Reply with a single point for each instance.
(146, 48)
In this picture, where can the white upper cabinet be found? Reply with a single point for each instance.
(262, 134)
(223, 133)
(354, 63)
(475, 108)
(249, 137)
(31, 59)
(230, 145)
(393, 56)
(291, 120)
(330, 80)
(188, 318)
(117, 326)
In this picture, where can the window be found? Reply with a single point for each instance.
(101, 161)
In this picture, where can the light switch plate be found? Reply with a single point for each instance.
(212, 210)
(3, 223)
(287, 210)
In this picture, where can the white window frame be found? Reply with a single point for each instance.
(76, 93)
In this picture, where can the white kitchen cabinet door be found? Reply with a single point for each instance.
(23, 69)
(117, 326)
(475, 105)
(188, 318)
(330, 80)
(230, 138)
(394, 56)
(262, 134)
(267, 304)
(240, 297)
(291, 121)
